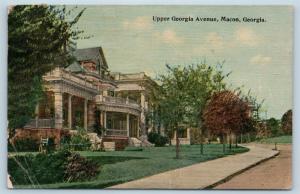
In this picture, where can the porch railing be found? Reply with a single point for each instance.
(116, 132)
(40, 123)
(59, 73)
(118, 101)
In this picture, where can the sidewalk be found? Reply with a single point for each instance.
(202, 175)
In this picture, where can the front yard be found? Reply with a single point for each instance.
(286, 139)
(123, 166)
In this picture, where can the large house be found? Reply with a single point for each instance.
(86, 93)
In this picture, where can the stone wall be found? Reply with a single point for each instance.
(120, 142)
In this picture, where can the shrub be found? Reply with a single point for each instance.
(152, 136)
(273, 127)
(287, 122)
(157, 139)
(98, 128)
(50, 168)
(41, 169)
(24, 145)
(161, 141)
(195, 136)
(51, 145)
(80, 169)
(80, 141)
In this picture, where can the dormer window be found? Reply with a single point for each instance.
(89, 66)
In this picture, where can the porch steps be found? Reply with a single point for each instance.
(135, 142)
(144, 141)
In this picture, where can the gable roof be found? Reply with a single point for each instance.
(94, 54)
(75, 67)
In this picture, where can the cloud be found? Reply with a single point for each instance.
(247, 36)
(214, 40)
(211, 43)
(139, 23)
(260, 60)
(169, 36)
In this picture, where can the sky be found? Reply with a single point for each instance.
(260, 55)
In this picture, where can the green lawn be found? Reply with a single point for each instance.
(122, 166)
(287, 139)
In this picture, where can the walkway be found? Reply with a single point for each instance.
(202, 175)
(275, 173)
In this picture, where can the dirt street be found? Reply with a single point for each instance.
(275, 173)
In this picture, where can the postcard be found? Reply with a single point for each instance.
(150, 97)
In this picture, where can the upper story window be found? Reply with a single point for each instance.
(89, 66)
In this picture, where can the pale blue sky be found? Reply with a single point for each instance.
(259, 54)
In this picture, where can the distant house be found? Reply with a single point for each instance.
(74, 94)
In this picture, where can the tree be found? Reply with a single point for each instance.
(39, 39)
(226, 113)
(287, 122)
(273, 126)
(182, 95)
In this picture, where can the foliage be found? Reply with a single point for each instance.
(23, 145)
(123, 166)
(184, 91)
(256, 106)
(80, 140)
(195, 135)
(226, 113)
(80, 169)
(61, 166)
(98, 128)
(51, 145)
(157, 139)
(40, 169)
(39, 39)
(182, 95)
(273, 125)
(262, 131)
(287, 122)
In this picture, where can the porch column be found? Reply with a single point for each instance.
(36, 112)
(91, 114)
(138, 127)
(101, 119)
(143, 113)
(127, 124)
(104, 119)
(58, 109)
(85, 114)
(70, 111)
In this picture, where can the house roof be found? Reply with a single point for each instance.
(94, 54)
(75, 67)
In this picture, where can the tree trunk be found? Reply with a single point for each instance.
(236, 141)
(201, 143)
(241, 138)
(201, 148)
(177, 144)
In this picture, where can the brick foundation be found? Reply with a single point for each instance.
(37, 134)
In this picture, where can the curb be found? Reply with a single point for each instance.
(210, 187)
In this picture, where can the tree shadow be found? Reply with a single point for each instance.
(102, 160)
